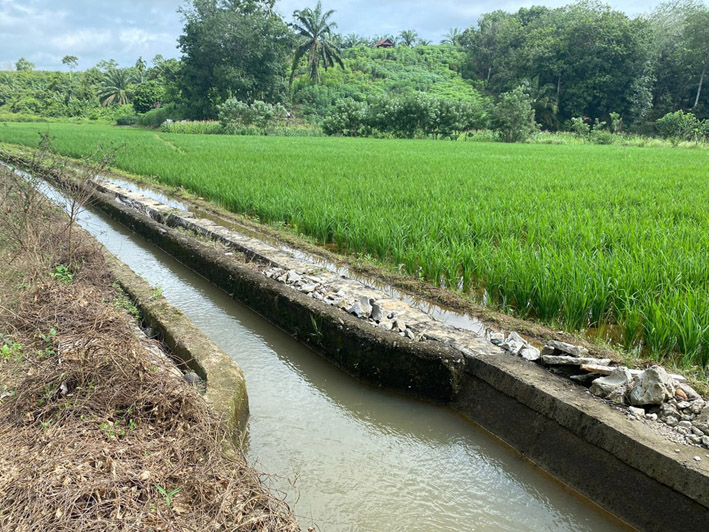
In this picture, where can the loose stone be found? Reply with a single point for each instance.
(378, 313)
(573, 350)
(697, 406)
(652, 387)
(671, 421)
(688, 391)
(553, 360)
(703, 417)
(530, 353)
(637, 412)
(308, 288)
(497, 338)
(293, 277)
(514, 343)
(604, 386)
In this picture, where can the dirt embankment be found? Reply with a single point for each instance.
(97, 432)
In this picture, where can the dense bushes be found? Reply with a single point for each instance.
(156, 117)
(147, 96)
(373, 72)
(680, 126)
(409, 116)
(235, 113)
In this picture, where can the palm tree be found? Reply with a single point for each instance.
(115, 88)
(452, 37)
(316, 41)
(353, 40)
(408, 38)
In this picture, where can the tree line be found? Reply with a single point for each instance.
(582, 62)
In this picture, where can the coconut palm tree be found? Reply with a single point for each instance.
(452, 37)
(115, 88)
(316, 41)
(408, 38)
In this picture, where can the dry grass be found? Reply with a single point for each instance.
(96, 433)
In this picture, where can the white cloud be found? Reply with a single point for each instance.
(81, 40)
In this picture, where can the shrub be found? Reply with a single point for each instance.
(599, 136)
(514, 116)
(205, 127)
(579, 127)
(155, 118)
(348, 118)
(679, 126)
(235, 113)
(127, 120)
(409, 116)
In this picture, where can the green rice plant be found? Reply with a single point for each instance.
(576, 235)
(658, 332)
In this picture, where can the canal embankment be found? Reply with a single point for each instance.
(99, 427)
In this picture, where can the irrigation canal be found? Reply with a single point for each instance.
(350, 457)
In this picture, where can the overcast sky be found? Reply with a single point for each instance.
(44, 31)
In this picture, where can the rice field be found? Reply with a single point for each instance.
(575, 236)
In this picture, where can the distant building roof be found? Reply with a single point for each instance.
(384, 43)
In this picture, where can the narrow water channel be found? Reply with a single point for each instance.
(351, 457)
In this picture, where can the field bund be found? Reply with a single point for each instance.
(627, 468)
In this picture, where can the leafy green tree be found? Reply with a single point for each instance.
(106, 65)
(490, 46)
(408, 38)
(231, 48)
(116, 87)
(71, 61)
(147, 96)
(697, 30)
(23, 65)
(315, 31)
(514, 116)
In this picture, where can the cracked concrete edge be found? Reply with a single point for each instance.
(620, 464)
(226, 385)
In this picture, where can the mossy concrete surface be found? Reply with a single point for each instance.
(226, 385)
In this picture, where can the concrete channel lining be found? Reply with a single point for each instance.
(626, 467)
(226, 385)
(560, 426)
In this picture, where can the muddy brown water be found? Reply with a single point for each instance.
(349, 457)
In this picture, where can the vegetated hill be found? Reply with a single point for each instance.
(371, 72)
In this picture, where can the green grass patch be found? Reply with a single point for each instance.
(577, 236)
